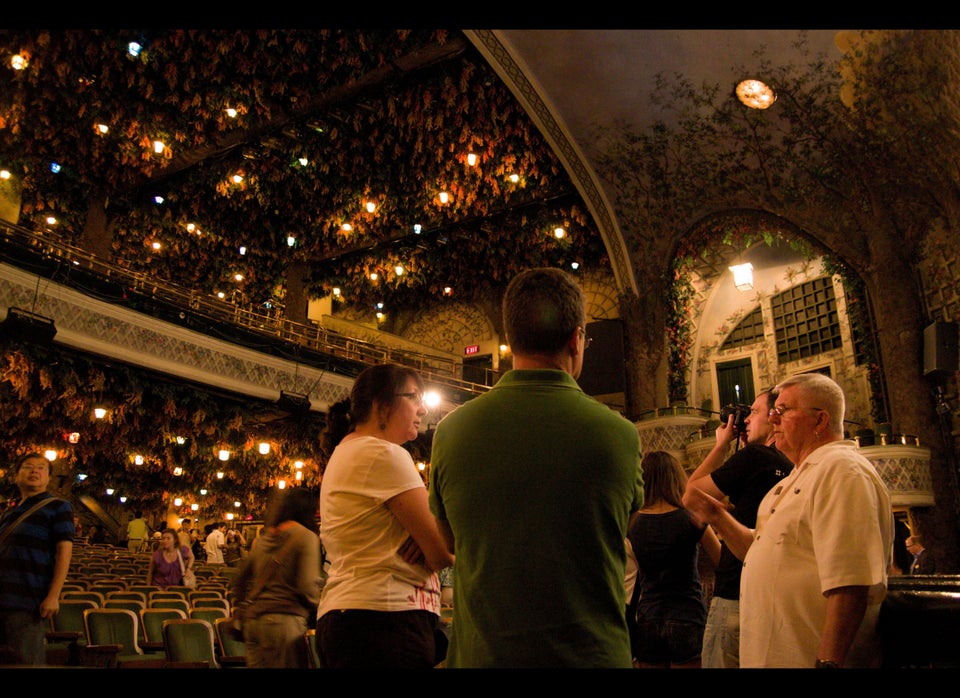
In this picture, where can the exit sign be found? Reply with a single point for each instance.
(472, 349)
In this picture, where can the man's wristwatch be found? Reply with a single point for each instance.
(826, 664)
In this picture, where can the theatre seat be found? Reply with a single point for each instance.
(919, 622)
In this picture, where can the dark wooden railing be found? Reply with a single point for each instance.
(47, 255)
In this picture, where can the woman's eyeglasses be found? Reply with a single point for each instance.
(416, 397)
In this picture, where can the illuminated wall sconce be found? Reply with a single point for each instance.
(298, 464)
(73, 437)
(110, 491)
(264, 448)
(138, 459)
(181, 441)
(559, 233)
(236, 504)
(281, 484)
(219, 474)
(421, 466)
(743, 276)
(471, 159)
(444, 197)
(50, 455)
(203, 492)
(177, 501)
(178, 471)
(371, 207)
(158, 147)
(123, 500)
(194, 507)
(298, 476)
(99, 412)
(230, 516)
(224, 454)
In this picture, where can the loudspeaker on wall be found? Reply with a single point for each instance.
(940, 348)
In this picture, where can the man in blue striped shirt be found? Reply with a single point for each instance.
(34, 561)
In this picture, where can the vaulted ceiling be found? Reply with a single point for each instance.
(326, 121)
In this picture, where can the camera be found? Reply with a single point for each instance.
(740, 412)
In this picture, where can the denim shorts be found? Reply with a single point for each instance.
(668, 642)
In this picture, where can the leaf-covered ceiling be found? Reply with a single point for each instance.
(386, 116)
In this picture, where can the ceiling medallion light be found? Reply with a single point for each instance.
(756, 94)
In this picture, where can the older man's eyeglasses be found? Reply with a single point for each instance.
(780, 410)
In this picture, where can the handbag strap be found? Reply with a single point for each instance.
(20, 519)
(183, 570)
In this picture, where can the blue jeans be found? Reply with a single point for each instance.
(721, 637)
(22, 633)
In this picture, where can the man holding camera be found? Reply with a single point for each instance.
(743, 478)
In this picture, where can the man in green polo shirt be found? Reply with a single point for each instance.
(533, 484)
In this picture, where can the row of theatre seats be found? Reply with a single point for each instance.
(117, 620)
(110, 617)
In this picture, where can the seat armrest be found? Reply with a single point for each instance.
(232, 660)
(63, 635)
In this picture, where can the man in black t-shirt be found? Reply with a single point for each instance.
(743, 478)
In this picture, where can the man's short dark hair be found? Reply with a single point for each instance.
(31, 456)
(542, 308)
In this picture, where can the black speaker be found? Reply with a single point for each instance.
(30, 327)
(294, 403)
(603, 364)
(940, 348)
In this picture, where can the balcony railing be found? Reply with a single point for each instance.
(46, 255)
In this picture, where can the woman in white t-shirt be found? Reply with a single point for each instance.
(380, 606)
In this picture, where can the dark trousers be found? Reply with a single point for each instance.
(361, 639)
(21, 637)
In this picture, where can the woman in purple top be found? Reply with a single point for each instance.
(164, 566)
